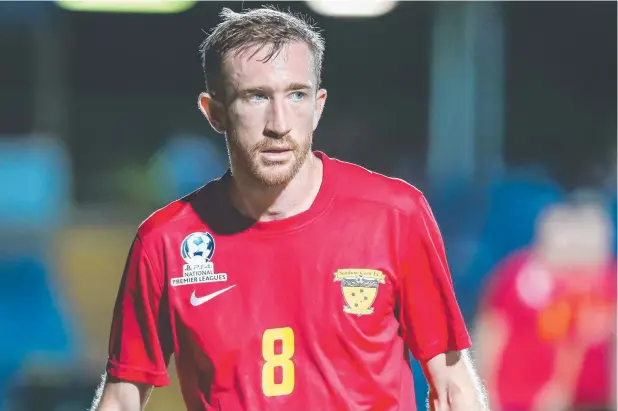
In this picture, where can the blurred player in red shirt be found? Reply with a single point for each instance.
(546, 330)
(295, 281)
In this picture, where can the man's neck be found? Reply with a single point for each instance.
(262, 203)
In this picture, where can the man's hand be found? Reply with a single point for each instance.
(455, 386)
(455, 400)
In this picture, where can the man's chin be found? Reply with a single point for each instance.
(275, 178)
(276, 173)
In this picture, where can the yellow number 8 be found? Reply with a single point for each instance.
(283, 360)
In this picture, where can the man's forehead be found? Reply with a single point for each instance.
(293, 62)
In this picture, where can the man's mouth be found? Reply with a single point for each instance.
(276, 150)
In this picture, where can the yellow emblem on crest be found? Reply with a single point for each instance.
(360, 289)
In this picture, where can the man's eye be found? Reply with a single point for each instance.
(298, 95)
(257, 97)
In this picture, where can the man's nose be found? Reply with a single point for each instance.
(278, 124)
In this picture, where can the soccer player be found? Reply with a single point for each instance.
(295, 281)
(554, 301)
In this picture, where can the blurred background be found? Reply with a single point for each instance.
(504, 114)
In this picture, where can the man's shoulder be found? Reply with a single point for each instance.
(363, 185)
(167, 218)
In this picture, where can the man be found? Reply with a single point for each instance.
(554, 302)
(295, 281)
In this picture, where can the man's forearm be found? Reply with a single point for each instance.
(455, 384)
(116, 395)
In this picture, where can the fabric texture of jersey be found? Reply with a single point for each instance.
(312, 312)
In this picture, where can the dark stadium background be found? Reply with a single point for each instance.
(99, 126)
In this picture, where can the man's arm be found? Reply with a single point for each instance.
(116, 395)
(139, 345)
(430, 318)
(454, 383)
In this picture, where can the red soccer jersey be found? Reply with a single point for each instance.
(312, 312)
(540, 315)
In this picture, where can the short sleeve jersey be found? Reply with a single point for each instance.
(312, 312)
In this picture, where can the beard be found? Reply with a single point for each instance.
(249, 161)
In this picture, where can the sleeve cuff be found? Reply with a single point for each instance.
(457, 343)
(137, 375)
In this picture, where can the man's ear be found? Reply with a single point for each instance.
(214, 112)
(320, 101)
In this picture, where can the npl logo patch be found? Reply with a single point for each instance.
(197, 249)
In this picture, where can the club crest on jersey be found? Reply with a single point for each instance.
(360, 289)
(197, 250)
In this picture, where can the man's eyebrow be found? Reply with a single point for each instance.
(262, 89)
(298, 86)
